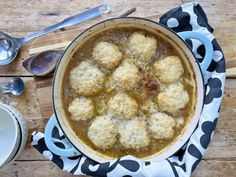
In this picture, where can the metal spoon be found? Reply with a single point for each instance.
(10, 46)
(45, 62)
(15, 87)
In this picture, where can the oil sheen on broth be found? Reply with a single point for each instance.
(120, 38)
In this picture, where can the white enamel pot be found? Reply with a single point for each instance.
(176, 40)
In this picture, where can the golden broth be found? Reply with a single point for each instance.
(119, 37)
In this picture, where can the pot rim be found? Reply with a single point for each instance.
(118, 18)
(17, 137)
(23, 131)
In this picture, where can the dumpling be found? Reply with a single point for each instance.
(122, 106)
(142, 47)
(133, 134)
(102, 132)
(126, 76)
(173, 98)
(161, 126)
(81, 109)
(107, 55)
(169, 69)
(86, 79)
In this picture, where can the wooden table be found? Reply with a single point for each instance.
(25, 16)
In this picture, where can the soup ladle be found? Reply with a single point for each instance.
(9, 46)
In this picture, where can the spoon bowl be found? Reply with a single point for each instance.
(43, 63)
(9, 48)
(15, 87)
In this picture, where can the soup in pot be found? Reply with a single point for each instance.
(128, 92)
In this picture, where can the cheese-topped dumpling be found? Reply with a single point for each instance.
(107, 55)
(126, 76)
(161, 126)
(81, 109)
(173, 98)
(86, 79)
(142, 46)
(169, 69)
(133, 134)
(102, 132)
(122, 106)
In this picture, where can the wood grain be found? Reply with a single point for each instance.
(33, 169)
(216, 168)
(28, 103)
(35, 104)
(30, 17)
(207, 168)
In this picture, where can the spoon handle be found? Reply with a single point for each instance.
(76, 19)
(3, 91)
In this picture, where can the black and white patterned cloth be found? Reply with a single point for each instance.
(187, 17)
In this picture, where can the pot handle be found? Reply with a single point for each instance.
(207, 44)
(50, 144)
